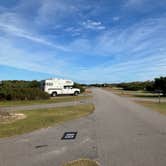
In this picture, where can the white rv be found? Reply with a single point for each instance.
(56, 87)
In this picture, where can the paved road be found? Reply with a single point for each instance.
(120, 132)
(41, 106)
(128, 134)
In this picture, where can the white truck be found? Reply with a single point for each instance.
(56, 87)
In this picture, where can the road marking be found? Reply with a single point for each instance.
(69, 135)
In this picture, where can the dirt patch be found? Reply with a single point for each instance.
(88, 91)
(82, 162)
(6, 117)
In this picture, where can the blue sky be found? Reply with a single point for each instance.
(85, 40)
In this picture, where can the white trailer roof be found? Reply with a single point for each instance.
(61, 81)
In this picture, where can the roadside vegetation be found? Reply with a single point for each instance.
(79, 86)
(82, 162)
(159, 107)
(156, 86)
(140, 89)
(21, 90)
(46, 101)
(41, 118)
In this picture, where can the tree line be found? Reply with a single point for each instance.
(157, 85)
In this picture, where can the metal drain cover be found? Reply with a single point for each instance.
(69, 135)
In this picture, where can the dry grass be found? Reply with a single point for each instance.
(88, 91)
(159, 107)
(6, 117)
(82, 162)
(129, 93)
(42, 118)
(57, 99)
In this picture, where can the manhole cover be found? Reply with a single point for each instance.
(69, 135)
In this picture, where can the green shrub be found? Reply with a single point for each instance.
(20, 84)
(160, 84)
(22, 94)
(147, 85)
(79, 86)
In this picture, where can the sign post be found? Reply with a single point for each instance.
(159, 99)
(159, 95)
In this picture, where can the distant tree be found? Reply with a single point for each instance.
(150, 86)
(160, 84)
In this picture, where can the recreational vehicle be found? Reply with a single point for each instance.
(56, 87)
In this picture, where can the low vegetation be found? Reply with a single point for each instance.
(46, 101)
(6, 117)
(79, 86)
(82, 162)
(21, 90)
(130, 93)
(159, 107)
(148, 89)
(42, 118)
(11, 94)
(158, 85)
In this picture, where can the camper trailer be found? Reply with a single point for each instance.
(56, 87)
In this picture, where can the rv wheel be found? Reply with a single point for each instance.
(76, 93)
(54, 94)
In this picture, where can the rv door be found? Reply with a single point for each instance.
(67, 90)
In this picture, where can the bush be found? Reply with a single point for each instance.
(160, 84)
(79, 86)
(147, 85)
(22, 94)
(20, 84)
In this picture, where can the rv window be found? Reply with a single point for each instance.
(49, 84)
(67, 87)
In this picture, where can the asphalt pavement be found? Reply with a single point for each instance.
(119, 132)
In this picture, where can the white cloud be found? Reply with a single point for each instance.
(116, 18)
(131, 70)
(39, 61)
(146, 35)
(137, 52)
(51, 12)
(93, 25)
(10, 29)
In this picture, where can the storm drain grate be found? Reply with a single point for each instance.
(40, 146)
(69, 135)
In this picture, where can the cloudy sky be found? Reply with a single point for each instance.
(84, 40)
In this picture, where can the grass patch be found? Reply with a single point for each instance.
(82, 162)
(159, 107)
(42, 118)
(49, 101)
(128, 93)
